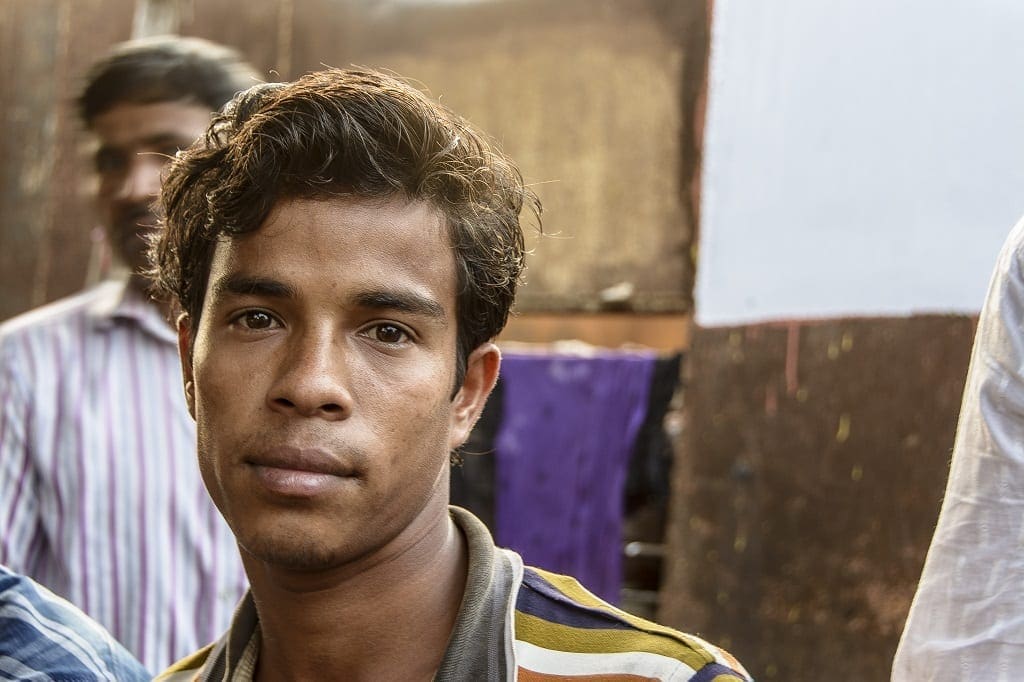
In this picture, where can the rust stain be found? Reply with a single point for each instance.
(792, 358)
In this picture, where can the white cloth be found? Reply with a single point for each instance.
(967, 618)
(101, 499)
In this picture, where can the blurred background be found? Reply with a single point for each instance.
(733, 377)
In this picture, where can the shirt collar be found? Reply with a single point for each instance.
(115, 302)
(485, 604)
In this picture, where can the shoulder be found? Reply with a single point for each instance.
(64, 311)
(561, 628)
(48, 336)
(44, 635)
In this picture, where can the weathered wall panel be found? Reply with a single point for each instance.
(588, 103)
(252, 28)
(596, 100)
(807, 485)
(45, 215)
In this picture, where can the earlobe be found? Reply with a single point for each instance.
(482, 367)
(185, 355)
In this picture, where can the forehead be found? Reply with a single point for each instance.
(128, 123)
(341, 245)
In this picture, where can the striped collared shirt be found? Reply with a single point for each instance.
(514, 623)
(100, 496)
(44, 637)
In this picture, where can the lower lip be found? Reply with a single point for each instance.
(295, 483)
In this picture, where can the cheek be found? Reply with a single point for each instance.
(413, 418)
(222, 385)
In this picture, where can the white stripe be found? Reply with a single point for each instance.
(511, 666)
(13, 669)
(546, 661)
(56, 632)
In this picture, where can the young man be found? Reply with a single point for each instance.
(100, 496)
(345, 250)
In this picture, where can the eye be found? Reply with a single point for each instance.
(109, 161)
(389, 333)
(256, 320)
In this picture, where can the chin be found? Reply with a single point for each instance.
(294, 554)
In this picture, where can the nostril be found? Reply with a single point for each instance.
(332, 409)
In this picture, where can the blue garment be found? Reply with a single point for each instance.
(44, 637)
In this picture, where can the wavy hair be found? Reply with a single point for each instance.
(356, 133)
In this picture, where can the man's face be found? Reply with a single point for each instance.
(136, 141)
(321, 376)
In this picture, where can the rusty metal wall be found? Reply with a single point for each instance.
(807, 483)
(596, 99)
(45, 215)
(592, 99)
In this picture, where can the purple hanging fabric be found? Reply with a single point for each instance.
(562, 454)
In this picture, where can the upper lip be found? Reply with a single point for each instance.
(312, 460)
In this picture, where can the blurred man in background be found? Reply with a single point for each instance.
(100, 497)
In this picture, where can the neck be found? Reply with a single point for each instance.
(390, 621)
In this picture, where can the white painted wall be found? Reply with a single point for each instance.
(862, 157)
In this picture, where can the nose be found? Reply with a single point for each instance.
(312, 380)
(140, 181)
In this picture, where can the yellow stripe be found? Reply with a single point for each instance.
(571, 588)
(187, 664)
(557, 637)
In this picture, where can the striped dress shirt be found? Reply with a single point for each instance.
(100, 495)
(43, 637)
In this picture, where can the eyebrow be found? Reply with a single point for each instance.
(401, 300)
(243, 285)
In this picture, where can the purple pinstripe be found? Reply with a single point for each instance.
(103, 501)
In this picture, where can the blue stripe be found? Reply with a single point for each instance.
(713, 670)
(537, 597)
(42, 634)
(27, 644)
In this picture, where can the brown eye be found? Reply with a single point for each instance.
(257, 319)
(389, 333)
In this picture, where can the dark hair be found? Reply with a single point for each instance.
(164, 69)
(347, 133)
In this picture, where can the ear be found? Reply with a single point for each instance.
(185, 355)
(481, 374)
